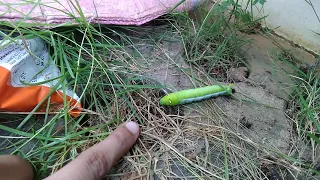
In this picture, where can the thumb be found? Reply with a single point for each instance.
(94, 163)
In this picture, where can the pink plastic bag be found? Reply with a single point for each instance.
(122, 12)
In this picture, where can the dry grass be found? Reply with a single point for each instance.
(189, 146)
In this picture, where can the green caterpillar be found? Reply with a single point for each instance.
(195, 95)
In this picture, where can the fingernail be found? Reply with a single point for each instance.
(132, 127)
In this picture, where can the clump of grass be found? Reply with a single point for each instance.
(89, 60)
(307, 96)
(211, 40)
(303, 109)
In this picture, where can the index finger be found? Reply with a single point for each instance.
(94, 163)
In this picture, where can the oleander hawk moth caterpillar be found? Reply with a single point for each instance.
(195, 95)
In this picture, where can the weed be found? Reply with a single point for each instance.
(212, 43)
(304, 110)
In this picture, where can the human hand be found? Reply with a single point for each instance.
(92, 164)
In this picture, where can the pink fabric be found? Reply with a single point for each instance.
(123, 12)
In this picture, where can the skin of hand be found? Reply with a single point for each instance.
(92, 164)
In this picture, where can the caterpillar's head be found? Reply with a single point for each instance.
(169, 100)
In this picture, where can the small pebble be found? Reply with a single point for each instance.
(239, 74)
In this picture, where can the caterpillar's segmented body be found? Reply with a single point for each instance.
(195, 95)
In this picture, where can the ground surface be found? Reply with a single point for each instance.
(262, 94)
(190, 143)
(256, 111)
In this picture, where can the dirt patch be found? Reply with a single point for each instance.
(259, 114)
(164, 62)
(254, 110)
(265, 68)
